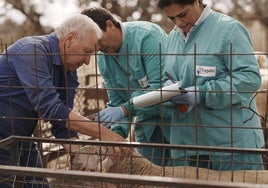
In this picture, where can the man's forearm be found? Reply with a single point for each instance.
(85, 126)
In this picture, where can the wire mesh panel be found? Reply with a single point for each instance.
(102, 169)
(96, 165)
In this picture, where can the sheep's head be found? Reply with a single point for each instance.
(92, 158)
(108, 159)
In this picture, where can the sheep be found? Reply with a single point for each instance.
(262, 60)
(261, 97)
(136, 164)
(262, 94)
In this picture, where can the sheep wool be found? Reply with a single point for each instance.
(92, 158)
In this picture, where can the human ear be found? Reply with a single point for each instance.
(109, 24)
(70, 38)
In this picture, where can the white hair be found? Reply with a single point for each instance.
(80, 24)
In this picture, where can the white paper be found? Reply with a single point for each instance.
(155, 97)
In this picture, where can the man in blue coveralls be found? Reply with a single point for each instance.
(38, 80)
(127, 75)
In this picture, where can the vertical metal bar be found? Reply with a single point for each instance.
(1, 45)
(162, 120)
(196, 109)
(129, 90)
(9, 85)
(231, 92)
(14, 153)
(231, 108)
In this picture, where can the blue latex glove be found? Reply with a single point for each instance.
(188, 98)
(108, 115)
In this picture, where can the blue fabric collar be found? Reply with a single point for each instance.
(54, 46)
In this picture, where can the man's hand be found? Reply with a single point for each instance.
(190, 98)
(109, 115)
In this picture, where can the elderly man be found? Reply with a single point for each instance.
(38, 80)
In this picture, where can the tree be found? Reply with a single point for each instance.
(31, 13)
(247, 11)
(129, 10)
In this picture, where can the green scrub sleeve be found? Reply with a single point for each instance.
(202, 92)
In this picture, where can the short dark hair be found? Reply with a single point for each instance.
(100, 16)
(164, 3)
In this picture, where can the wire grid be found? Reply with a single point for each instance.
(90, 99)
(59, 174)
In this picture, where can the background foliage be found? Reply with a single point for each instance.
(33, 11)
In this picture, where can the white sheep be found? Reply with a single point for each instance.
(261, 102)
(262, 59)
(96, 159)
(261, 97)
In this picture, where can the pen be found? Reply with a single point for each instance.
(183, 107)
(174, 81)
(170, 77)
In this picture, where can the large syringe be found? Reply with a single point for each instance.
(158, 96)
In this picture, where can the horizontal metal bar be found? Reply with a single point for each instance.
(137, 144)
(7, 141)
(121, 178)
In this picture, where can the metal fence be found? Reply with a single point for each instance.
(91, 96)
(59, 174)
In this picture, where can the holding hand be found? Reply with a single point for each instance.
(171, 82)
(108, 115)
(188, 98)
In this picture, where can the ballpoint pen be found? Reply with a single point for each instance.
(174, 81)
(170, 77)
(183, 107)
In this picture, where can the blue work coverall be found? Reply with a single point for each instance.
(217, 58)
(33, 87)
(136, 68)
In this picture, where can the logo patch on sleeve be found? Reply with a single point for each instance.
(143, 82)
